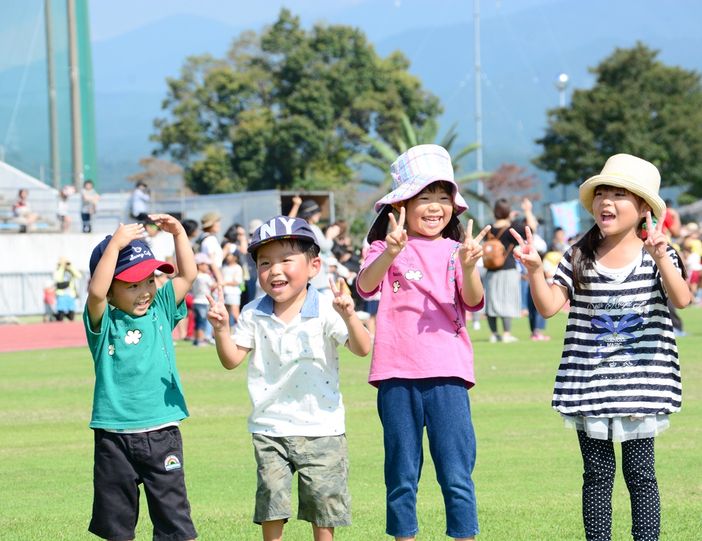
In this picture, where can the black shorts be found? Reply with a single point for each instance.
(122, 463)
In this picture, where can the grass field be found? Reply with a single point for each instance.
(527, 476)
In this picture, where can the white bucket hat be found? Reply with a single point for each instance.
(634, 174)
(415, 170)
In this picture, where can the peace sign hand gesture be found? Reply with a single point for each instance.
(342, 303)
(656, 241)
(525, 252)
(471, 250)
(396, 238)
(217, 313)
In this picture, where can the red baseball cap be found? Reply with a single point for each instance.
(135, 261)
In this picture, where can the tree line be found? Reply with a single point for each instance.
(300, 109)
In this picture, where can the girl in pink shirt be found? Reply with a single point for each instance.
(425, 267)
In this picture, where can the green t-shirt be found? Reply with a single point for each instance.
(136, 381)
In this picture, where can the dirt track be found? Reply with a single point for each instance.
(58, 334)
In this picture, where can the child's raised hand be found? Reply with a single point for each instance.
(525, 252)
(656, 241)
(396, 238)
(217, 313)
(342, 303)
(126, 233)
(471, 250)
(167, 223)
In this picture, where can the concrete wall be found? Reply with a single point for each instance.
(27, 260)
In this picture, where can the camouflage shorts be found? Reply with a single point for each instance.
(322, 466)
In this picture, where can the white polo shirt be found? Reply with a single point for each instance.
(293, 371)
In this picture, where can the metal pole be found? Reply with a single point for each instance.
(561, 85)
(76, 121)
(478, 107)
(51, 81)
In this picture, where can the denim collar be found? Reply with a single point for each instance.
(310, 307)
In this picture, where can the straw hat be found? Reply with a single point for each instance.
(634, 174)
(209, 219)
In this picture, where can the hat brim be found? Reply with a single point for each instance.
(253, 247)
(403, 193)
(144, 269)
(587, 192)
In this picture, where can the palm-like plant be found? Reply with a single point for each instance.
(384, 153)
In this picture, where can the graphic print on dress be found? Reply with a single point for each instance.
(616, 338)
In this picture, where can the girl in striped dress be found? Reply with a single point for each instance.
(619, 377)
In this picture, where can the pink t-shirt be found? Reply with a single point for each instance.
(420, 326)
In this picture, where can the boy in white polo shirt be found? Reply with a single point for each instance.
(297, 420)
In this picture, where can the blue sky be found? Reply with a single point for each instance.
(110, 19)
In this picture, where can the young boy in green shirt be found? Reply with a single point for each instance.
(138, 399)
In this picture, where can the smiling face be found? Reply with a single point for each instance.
(133, 298)
(617, 211)
(283, 272)
(429, 212)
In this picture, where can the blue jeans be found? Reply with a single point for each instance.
(405, 407)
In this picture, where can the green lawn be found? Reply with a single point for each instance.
(527, 476)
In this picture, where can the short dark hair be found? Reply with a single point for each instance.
(190, 226)
(502, 209)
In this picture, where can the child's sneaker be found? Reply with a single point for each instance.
(508, 338)
(494, 338)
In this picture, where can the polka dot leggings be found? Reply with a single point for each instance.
(598, 482)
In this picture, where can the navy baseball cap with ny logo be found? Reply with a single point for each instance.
(134, 262)
(281, 228)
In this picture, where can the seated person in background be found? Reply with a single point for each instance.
(23, 212)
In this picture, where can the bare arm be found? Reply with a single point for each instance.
(371, 277)
(217, 272)
(529, 217)
(296, 202)
(548, 298)
(185, 260)
(75, 272)
(230, 354)
(656, 244)
(469, 253)
(359, 341)
(101, 280)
